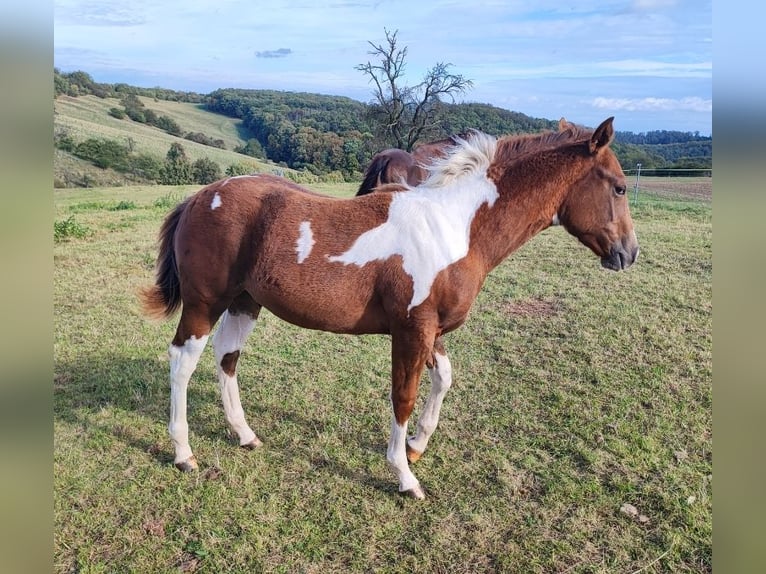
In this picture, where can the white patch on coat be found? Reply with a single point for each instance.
(305, 242)
(216, 203)
(430, 225)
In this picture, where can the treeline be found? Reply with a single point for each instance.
(666, 152)
(321, 134)
(332, 133)
(82, 84)
(661, 137)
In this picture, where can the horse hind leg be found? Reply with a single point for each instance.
(236, 325)
(191, 337)
(440, 372)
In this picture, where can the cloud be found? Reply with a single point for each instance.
(651, 5)
(98, 14)
(281, 53)
(654, 104)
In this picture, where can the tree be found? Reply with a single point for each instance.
(404, 113)
(176, 170)
(206, 171)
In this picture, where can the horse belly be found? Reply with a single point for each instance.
(325, 310)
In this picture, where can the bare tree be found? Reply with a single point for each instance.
(405, 113)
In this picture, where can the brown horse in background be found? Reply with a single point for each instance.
(407, 263)
(395, 165)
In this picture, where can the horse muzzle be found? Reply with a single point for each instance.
(621, 256)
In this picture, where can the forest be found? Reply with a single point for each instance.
(323, 134)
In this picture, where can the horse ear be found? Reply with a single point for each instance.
(602, 136)
(565, 125)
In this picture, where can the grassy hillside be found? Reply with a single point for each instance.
(88, 117)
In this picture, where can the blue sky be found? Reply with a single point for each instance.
(646, 62)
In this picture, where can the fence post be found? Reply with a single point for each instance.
(638, 175)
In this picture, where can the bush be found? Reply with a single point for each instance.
(206, 171)
(239, 169)
(145, 166)
(103, 153)
(69, 228)
(168, 124)
(176, 170)
(64, 141)
(117, 113)
(201, 138)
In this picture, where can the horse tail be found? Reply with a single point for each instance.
(372, 175)
(162, 299)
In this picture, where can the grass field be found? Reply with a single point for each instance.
(577, 436)
(88, 117)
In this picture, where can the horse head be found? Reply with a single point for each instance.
(595, 210)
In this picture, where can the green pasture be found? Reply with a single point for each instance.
(88, 117)
(577, 437)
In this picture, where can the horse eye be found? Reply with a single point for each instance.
(620, 189)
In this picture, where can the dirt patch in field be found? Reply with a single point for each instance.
(700, 188)
(537, 308)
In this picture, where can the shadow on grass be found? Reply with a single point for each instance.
(139, 386)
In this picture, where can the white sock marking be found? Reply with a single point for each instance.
(305, 242)
(441, 381)
(396, 454)
(230, 336)
(183, 361)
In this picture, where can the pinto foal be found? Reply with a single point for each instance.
(408, 263)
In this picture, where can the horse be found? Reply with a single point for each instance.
(407, 263)
(394, 165)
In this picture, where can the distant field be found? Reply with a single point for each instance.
(577, 437)
(87, 117)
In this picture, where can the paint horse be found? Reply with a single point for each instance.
(407, 263)
(395, 165)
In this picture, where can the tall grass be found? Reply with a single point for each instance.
(577, 392)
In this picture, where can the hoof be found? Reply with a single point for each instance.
(416, 493)
(413, 455)
(188, 465)
(252, 445)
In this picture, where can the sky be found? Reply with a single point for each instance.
(648, 63)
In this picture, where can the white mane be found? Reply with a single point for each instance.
(469, 156)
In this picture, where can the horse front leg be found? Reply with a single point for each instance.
(409, 355)
(440, 372)
(236, 325)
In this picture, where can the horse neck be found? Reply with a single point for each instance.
(530, 194)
